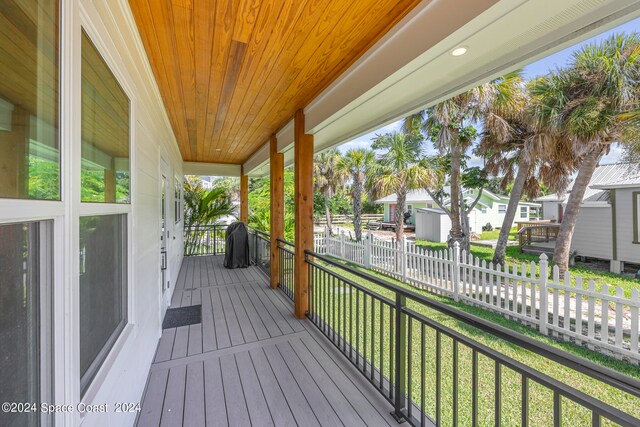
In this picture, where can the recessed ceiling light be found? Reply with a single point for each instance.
(218, 149)
(459, 51)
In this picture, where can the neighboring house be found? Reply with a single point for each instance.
(433, 224)
(607, 226)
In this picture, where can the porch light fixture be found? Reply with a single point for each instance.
(459, 51)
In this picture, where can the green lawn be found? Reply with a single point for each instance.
(514, 256)
(493, 235)
(344, 303)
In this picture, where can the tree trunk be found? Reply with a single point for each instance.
(510, 214)
(327, 212)
(568, 225)
(357, 207)
(456, 234)
(465, 242)
(402, 196)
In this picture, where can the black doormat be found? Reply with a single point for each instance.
(182, 316)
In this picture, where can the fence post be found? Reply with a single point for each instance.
(544, 294)
(456, 271)
(367, 251)
(403, 256)
(326, 240)
(342, 244)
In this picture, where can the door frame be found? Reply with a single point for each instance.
(392, 218)
(165, 246)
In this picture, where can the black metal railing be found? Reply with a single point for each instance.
(204, 240)
(260, 249)
(435, 375)
(286, 251)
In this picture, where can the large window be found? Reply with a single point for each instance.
(103, 289)
(29, 146)
(524, 212)
(25, 337)
(105, 131)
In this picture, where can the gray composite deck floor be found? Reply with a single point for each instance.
(250, 361)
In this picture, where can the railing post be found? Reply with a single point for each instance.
(367, 251)
(400, 359)
(456, 271)
(544, 294)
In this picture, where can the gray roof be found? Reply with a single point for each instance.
(421, 196)
(628, 176)
(604, 177)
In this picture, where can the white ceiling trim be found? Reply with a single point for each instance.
(211, 169)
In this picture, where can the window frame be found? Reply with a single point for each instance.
(501, 207)
(104, 208)
(526, 212)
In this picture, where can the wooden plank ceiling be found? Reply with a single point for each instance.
(233, 72)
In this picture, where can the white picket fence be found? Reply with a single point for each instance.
(565, 309)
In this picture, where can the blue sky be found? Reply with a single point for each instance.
(541, 67)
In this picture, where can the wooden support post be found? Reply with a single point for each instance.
(276, 162)
(110, 185)
(14, 156)
(303, 171)
(244, 198)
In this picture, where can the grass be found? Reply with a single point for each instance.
(515, 257)
(334, 294)
(494, 234)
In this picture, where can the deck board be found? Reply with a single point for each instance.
(250, 361)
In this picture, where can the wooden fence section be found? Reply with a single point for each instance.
(344, 219)
(570, 309)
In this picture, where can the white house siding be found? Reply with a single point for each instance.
(123, 376)
(481, 219)
(627, 250)
(593, 236)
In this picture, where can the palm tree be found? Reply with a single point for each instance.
(589, 104)
(356, 163)
(400, 171)
(327, 178)
(203, 207)
(512, 148)
(450, 125)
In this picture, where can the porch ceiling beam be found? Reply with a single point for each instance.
(211, 169)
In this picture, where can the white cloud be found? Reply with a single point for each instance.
(354, 145)
(364, 141)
